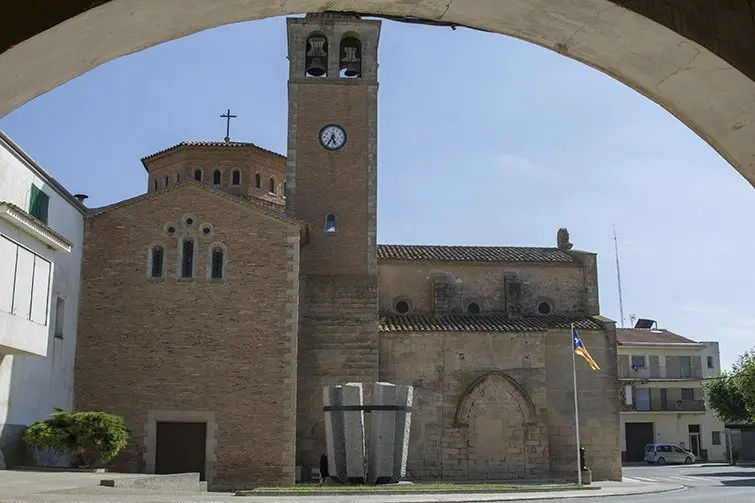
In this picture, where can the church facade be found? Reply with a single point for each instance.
(216, 306)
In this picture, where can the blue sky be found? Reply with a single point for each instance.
(483, 139)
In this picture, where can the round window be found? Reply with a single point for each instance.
(544, 308)
(473, 308)
(402, 307)
(206, 230)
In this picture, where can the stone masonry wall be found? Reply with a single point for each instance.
(598, 404)
(480, 407)
(194, 348)
(337, 344)
(564, 286)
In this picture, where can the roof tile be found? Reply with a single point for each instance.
(644, 336)
(441, 253)
(482, 323)
(214, 144)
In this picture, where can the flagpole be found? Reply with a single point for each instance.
(576, 407)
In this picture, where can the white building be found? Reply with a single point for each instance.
(41, 238)
(660, 377)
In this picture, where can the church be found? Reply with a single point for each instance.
(215, 307)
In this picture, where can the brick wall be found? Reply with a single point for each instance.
(337, 344)
(564, 286)
(470, 421)
(226, 348)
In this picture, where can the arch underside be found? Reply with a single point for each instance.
(707, 92)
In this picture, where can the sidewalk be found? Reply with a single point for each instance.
(33, 487)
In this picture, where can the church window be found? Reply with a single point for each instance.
(166, 180)
(217, 262)
(350, 58)
(216, 177)
(178, 177)
(157, 262)
(258, 181)
(544, 308)
(473, 308)
(236, 178)
(198, 175)
(188, 220)
(330, 224)
(402, 306)
(284, 190)
(154, 185)
(272, 185)
(316, 56)
(187, 258)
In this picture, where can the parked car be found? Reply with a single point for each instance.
(660, 454)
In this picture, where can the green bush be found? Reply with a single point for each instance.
(91, 438)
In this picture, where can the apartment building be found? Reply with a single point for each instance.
(660, 377)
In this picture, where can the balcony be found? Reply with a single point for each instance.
(660, 373)
(670, 406)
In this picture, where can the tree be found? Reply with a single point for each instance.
(731, 394)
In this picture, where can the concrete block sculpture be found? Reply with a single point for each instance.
(344, 432)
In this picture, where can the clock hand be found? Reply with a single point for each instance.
(332, 138)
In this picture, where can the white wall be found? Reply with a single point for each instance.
(32, 386)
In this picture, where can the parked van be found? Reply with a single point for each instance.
(660, 454)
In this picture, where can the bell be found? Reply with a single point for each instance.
(352, 69)
(316, 67)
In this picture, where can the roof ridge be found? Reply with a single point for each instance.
(250, 203)
(201, 143)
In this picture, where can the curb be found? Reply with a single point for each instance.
(56, 469)
(404, 492)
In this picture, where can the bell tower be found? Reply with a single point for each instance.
(331, 183)
(332, 144)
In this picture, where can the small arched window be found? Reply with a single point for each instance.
(473, 308)
(167, 180)
(216, 177)
(198, 175)
(316, 56)
(187, 258)
(154, 185)
(236, 177)
(330, 224)
(258, 181)
(272, 185)
(284, 190)
(178, 177)
(217, 262)
(156, 262)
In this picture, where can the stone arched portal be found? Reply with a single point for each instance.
(693, 57)
(503, 441)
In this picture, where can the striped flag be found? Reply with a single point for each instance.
(581, 350)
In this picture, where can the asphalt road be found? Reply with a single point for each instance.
(702, 484)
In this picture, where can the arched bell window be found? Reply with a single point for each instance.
(330, 224)
(316, 57)
(350, 58)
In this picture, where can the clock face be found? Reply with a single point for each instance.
(332, 137)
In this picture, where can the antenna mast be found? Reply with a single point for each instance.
(618, 274)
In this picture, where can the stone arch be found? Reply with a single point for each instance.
(500, 430)
(693, 58)
(461, 418)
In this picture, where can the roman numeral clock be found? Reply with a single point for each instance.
(332, 137)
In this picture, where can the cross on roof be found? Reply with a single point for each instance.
(227, 116)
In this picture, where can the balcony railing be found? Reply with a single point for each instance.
(644, 373)
(670, 406)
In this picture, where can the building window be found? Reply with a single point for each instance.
(198, 175)
(710, 362)
(715, 437)
(24, 282)
(402, 306)
(316, 56)
(216, 177)
(284, 190)
(473, 308)
(217, 262)
(544, 308)
(157, 262)
(166, 180)
(187, 258)
(39, 204)
(664, 399)
(258, 181)
(60, 309)
(688, 394)
(154, 185)
(330, 224)
(638, 361)
(272, 185)
(178, 177)
(236, 177)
